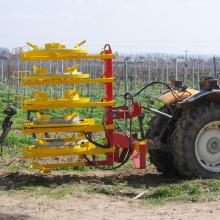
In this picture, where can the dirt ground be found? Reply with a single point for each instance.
(95, 206)
(102, 207)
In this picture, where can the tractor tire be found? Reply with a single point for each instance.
(196, 142)
(163, 160)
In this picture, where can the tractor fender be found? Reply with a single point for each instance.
(170, 97)
(202, 96)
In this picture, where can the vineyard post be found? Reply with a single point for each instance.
(149, 71)
(193, 72)
(198, 73)
(214, 68)
(62, 68)
(126, 85)
(176, 69)
(18, 70)
(167, 64)
(2, 78)
(50, 72)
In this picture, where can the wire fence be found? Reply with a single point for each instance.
(130, 73)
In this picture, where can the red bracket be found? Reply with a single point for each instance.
(125, 112)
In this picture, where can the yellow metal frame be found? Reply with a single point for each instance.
(86, 148)
(82, 128)
(65, 79)
(57, 51)
(84, 122)
(43, 152)
(46, 168)
(76, 145)
(43, 100)
(40, 71)
(32, 104)
(42, 55)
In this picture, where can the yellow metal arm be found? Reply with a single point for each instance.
(62, 79)
(32, 104)
(39, 71)
(72, 69)
(80, 44)
(65, 54)
(64, 128)
(35, 47)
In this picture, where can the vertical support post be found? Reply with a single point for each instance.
(2, 78)
(214, 68)
(198, 73)
(62, 70)
(89, 85)
(18, 69)
(176, 69)
(193, 72)
(26, 69)
(126, 85)
(185, 66)
(149, 71)
(167, 71)
(108, 88)
(135, 78)
(41, 88)
(126, 74)
(203, 67)
(34, 63)
(163, 74)
(50, 72)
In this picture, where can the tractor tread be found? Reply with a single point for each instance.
(183, 140)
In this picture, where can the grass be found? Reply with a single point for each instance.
(52, 192)
(18, 140)
(184, 191)
(39, 191)
(120, 189)
(194, 190)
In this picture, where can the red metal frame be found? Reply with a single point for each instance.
(117, 139)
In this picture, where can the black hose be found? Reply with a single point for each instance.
(130, 150)
(154, 83)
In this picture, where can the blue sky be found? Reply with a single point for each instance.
(130, 26)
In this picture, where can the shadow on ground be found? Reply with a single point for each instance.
(4, 216)
(18, 180)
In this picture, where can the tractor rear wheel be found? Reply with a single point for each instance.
(161, 158)
(196, 142)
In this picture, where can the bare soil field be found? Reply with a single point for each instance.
(95, 195)
(101, 207)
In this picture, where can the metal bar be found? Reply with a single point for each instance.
(2, 70)
(214, 68)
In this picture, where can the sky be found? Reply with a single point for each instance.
(130, 26)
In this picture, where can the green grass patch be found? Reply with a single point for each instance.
(120, 189)
(186, 191)
(55, 192)
(18, 140)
